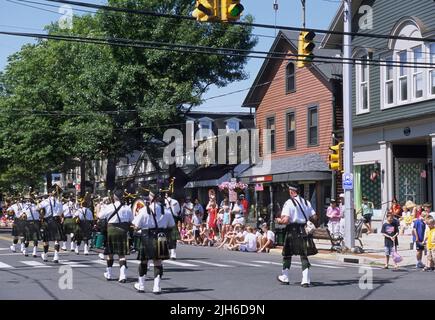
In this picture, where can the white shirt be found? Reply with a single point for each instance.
(68, 209)
(145, 220)
(198, 207)
(52, 206)
(169, 202)
(189, 208)
(251, 242)
(270, 236)
(29, 209)
(238, 210)
(17, 209)
(125, 214)
(294, 213)
(84, 214)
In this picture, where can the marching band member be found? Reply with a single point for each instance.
(119, 217)
(32, 226)
(174, 209)
(52, 225)
(83, 219)
(68, 223)
(295, 214)
(153, 223)
(18, 226)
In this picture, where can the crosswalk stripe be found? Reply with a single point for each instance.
(268, 262)
(35, 264)
(73, 264)
(180, 264)
(5, 266)
(211, 263)
(320, 265)
(243, 263)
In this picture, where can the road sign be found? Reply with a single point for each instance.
(348, 181)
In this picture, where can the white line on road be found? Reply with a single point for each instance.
(5, 266)
(243, 263)
(35, 264)
(268, 262)
(211, 263)
(73, 264)
(180, 264)
(298, 263)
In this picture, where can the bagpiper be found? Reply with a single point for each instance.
(68, 223)
(174, 209)
(295, 214)
(118, 217)
(84, 222)
(154, 224)
(51, 226)
(32, 226)
(18, 225)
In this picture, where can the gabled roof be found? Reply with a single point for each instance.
(284, 41)
(331, 41)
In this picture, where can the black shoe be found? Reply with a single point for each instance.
(305, 285)
(55, 261)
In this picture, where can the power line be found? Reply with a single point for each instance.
(245, 24)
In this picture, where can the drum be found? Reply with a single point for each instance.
(99, 241)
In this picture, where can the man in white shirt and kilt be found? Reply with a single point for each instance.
(84, 223)
(51, 226)
(154, 224)
(173, 207)
(69, 226)
(295, 214)
(19, 224)
(119, 217)
(32, 226)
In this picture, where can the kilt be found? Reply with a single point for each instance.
(32, 230)
(69, 226)
(83, 230)
(297, 242)
(18, 228)
(149, 247)
(52, 230)
(173, 236)
(117, 240)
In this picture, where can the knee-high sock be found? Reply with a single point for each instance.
(122, 262)
(45, 248)
(26, 244)
(286, 263)
(35, 243)
(56, 247)
(305, 263)
(143, 268)
(110, 263)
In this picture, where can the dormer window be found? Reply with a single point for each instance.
(205, 127)
(233, 124)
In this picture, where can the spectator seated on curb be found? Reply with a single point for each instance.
(188, 237)
(249, 244)
(267, 240)
(208, 237)
(228, 236)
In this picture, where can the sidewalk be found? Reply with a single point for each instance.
(373, 254)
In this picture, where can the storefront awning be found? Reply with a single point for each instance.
(214, 175)
(309, 167)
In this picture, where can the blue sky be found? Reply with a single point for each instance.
(19, 18)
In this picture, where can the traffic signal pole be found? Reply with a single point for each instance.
(349, 233)
(303, 14)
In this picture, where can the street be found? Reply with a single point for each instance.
(203, 273)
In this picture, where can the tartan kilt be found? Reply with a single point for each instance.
(149, 246)
(19, 227)
(52, 230)
(83, 230)
(298, 242)
(117, 240)
(173, 236)
(69, 226)
(32, 230)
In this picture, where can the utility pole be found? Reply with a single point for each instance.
(349, 234)
(303, 14)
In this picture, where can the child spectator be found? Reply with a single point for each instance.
(390, 231)
(238, 213)
(208, 236)
(418, 232)
(249, 244)
(226, 218)
(212, 214)
(408, 215)
(267, 241)
(396, 209)
(196, 226)
(334, 215)
(367, 213)
(430, 242)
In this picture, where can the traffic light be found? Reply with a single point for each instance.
(336, 157)
(305, 48)
(205, 10)
(231, 10)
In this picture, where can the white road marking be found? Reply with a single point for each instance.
(73, 264)
(5, 266)
(243, 263)
(211, 263)
(180, 264)
(35, 264)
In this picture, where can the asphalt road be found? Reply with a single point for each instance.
(203, 273)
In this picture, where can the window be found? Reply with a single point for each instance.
(417, 75)
(389, 81)
(290, 78)
(403, 77)
(232, 124)
(291, 128)
(312, 126)
(270, 124)
(362, 74)
(205, 128)
(432, 72)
